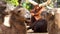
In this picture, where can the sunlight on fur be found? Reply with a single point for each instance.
(6, 20)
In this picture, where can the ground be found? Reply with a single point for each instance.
(37, 33)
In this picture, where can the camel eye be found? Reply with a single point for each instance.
(19, 11)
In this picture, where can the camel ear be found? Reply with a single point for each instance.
(6, 20)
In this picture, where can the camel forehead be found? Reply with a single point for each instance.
(23, 11)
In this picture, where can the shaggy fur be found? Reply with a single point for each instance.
(16, 20)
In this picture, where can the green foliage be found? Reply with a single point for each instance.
(13, 2)
(28, 6)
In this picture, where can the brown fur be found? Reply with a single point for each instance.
(51, 27)
(16, 21)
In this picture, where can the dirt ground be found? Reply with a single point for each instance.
(37, 33)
